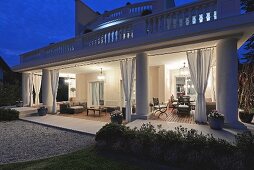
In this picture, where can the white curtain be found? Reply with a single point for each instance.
(30, 89)
(199, 65)
(54, 86)
(95, 93)
(37, 88)
(25, 90)
(128, 72)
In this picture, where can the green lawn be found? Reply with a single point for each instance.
(84, 159)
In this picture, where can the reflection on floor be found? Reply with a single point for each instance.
(174, 117)
(105, 117)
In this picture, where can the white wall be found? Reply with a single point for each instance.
(112, 96)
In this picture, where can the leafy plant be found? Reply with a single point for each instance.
(8, 114)
(146, 12)
(246, 88)
(9, 94)
(215, 115)
(181, 147)
(248, 6)
(87, 31)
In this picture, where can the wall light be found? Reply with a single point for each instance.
(101, 76)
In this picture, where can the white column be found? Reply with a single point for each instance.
(227, 82)
(25, 87)
(47, 97)
(142, 87)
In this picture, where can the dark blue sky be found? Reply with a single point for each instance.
(29, 24)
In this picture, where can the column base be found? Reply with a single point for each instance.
(50, 110)
(236, 125)
(142, 117)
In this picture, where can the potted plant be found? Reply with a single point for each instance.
(146, 12)
(216, 120)
(246, 92)
(246, 116)
(42, 111)
(116, 117)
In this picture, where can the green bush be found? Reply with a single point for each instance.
(8, 115)
(146, 12)
(181, 147)
(9, 94)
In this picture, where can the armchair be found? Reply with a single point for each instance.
(161, 108)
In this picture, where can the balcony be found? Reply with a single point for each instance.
(142, 29)
(123, 14)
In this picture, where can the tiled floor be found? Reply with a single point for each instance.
(70, 123)
(104, 117)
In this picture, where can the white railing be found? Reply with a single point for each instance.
(122, 13)
(192, 14)
(197, 13)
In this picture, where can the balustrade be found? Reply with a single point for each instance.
(196, 13)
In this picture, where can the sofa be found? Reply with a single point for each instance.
(73, 108)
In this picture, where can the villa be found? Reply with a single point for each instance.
(140, 52)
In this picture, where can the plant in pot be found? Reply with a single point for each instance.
(216, 120)
(116, 117)
(246, 92)
(42, 111)
(146, 12)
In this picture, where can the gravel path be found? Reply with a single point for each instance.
(23, 141)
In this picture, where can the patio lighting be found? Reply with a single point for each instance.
(184, 71)
(101, 76)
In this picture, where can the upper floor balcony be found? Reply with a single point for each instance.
(159, 26)
(120, 15)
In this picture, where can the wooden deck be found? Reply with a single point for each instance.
(174, 117)
(105, 117)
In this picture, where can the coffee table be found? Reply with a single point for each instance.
(99, 110)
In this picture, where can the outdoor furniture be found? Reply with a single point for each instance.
(67, 109)
(183, 109)
(161, 108)
(184, 100)
(172, 105)
(99, 110)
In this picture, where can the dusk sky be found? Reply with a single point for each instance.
(29, 24)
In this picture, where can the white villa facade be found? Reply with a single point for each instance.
(127, 56)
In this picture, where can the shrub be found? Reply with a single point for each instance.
(110, 133)
(9, 94)
(87, 31)
(182, 147)
(146, 12)
(8, 114)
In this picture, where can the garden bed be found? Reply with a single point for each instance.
(183, 148)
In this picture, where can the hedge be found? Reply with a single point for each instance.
(185, 148)
(8, 114)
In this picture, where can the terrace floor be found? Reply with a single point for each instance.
(105, 117)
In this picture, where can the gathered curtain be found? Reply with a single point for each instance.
(54, 85)
(128, 73)
(25, 91)
(37, 88)
(199, 64)
(30, 89)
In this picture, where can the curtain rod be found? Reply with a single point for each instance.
(100, 62)
(93, 63)
(181, 51)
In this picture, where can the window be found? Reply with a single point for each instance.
(97, 93)
(184, 86)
